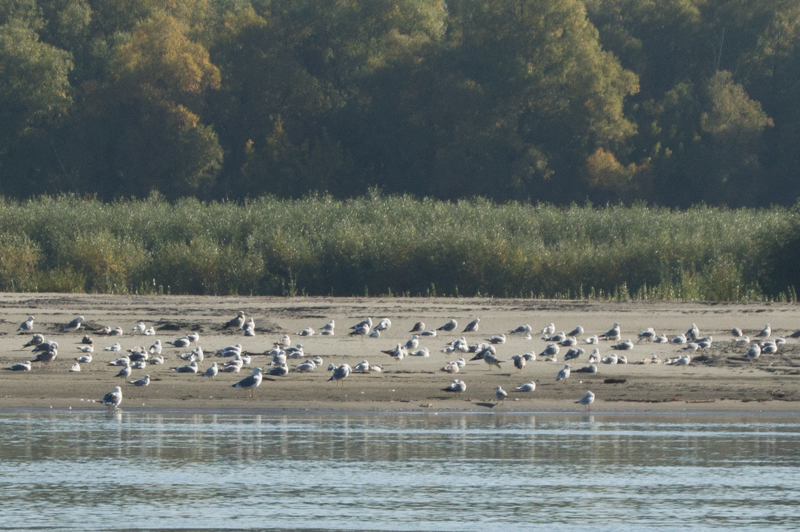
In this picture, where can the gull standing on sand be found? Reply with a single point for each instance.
(612, 333)
(74, 325)
(500, 393)
(587, 400)
(212, 371)
(251, 383)
(449, 327)
(527, 387)
(472, 326)
(550, 329)
(563, 375)
(113, 399)
(519, 362)
(26, 325)
(340, 374)
(155, 349)
(140, 328)
(765, 332)
(573, 353)
(125, 372)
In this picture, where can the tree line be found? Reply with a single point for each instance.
(674, 102)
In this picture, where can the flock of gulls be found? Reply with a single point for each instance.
(235, 358)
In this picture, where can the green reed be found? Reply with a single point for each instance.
(387, 245)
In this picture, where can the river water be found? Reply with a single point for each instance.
(459, 472)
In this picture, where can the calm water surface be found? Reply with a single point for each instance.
(460, 472)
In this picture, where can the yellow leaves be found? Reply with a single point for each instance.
(160, 62)
(604, 171)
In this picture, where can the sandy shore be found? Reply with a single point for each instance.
(719, 379)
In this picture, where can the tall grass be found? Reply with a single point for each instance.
(380, 245)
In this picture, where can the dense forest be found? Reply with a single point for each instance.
(673, 102)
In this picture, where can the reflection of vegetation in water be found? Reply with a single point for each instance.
(396, 246)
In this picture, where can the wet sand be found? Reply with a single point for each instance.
(719, 378)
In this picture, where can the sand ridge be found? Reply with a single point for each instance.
(719, 379)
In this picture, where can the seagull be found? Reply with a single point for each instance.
(550, 350)
(374, 334)
(115, 347)
(765, 332)
(306, 366)
(140, 328)
(35, 340)
(429, 332)
(647, 335)
(418, 327)
(113, 399)
(737, 332)
(155, 349)
(471, 326)
(157, 360)
(191, 368)
(451, 367)
(360, 330)
(577, 331)
(139, 364)
(573, 354)
(329, 326)
(87, 340)
(193, 336)
(456, 387)
(522, 329)
(519, 362)
(74, 325)
(46, 356)
(45, 346)
(340, 374)
(594, 358)
(384, 325)
(22, 366)
(86, 348)
(308, 331)
(211, 372)
(754, 352)
(678, 339)
(236, 323)
(527, 387)
(252, 382)
(587, 400)
(361, 367)
(278, 371)
(623, 346)
(563, 375)
(180, 342)
(593, 339)
(144, 381)
(121, 361)
(550, 329)
(612, 333)
(125, 372)
(693, 332)
(26, 325)
(492, 360)
(500, 393)
(661, 339)
(420, 353)
(413, 343)
(85, 359)
(449, 326)
(116, 331)
(497, 339)
(591, 368)
(611, 359)
(150, 331)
